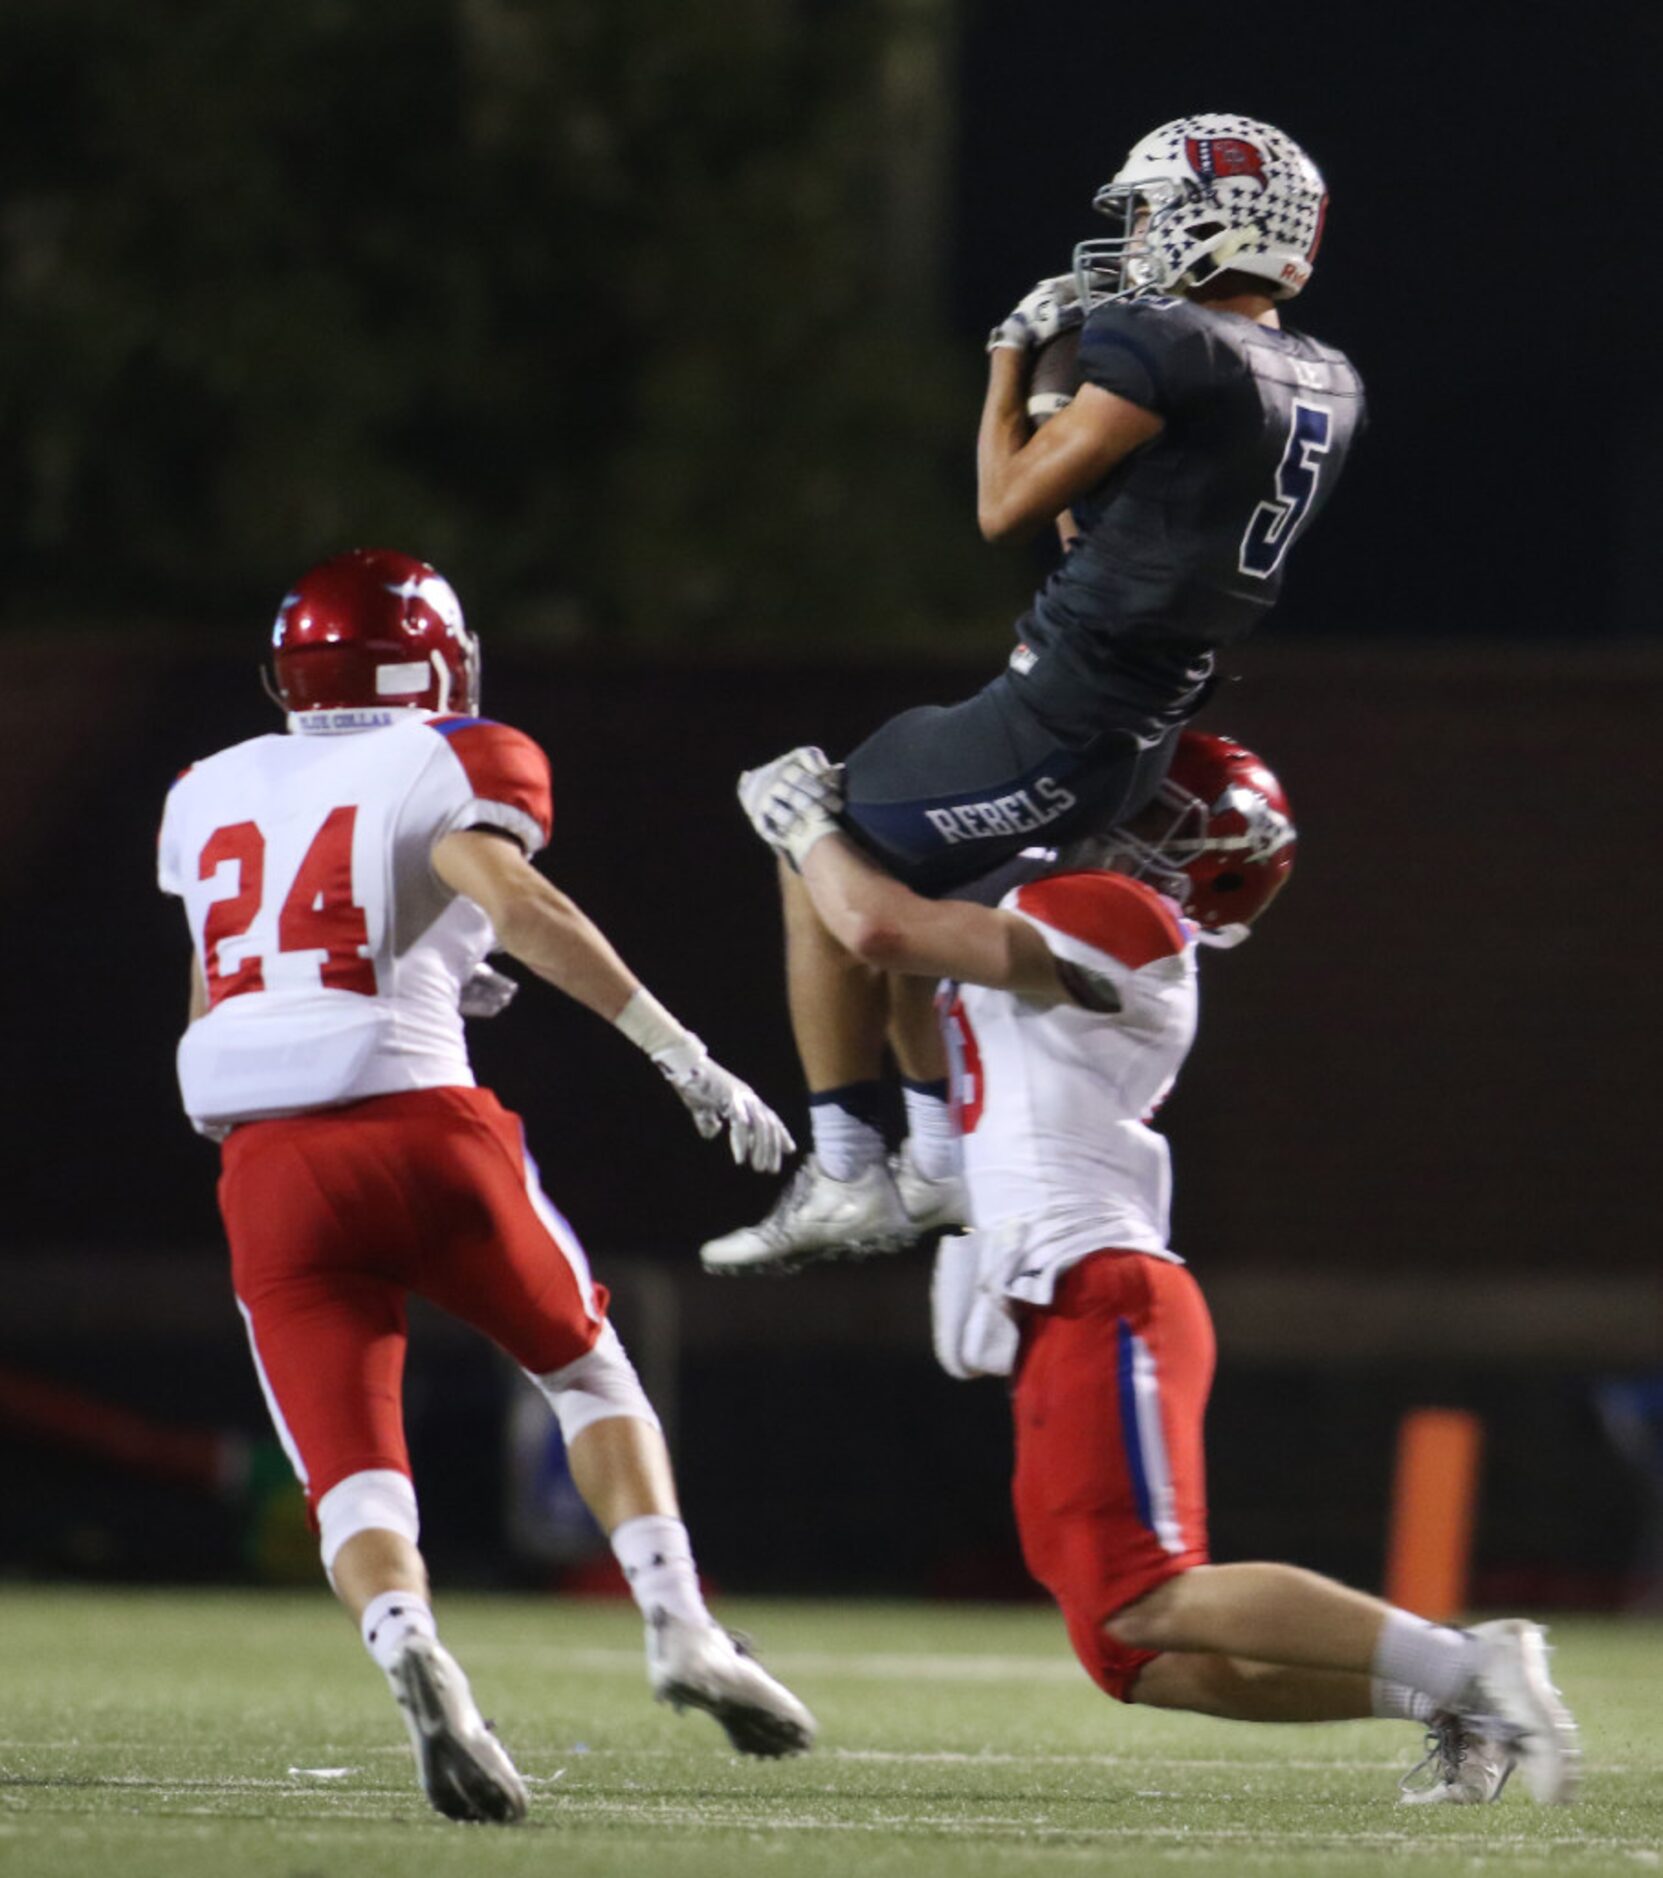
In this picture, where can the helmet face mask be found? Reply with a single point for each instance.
(370, 634)
(1217, 838)
(1203, 196)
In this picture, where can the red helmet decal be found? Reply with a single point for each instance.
(1322, 223)
(1215, 159)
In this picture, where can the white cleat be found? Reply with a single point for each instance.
(464, 1769)
(1513, 1700)
(702, 1666)
(930, 1205)
(817, 1217)
(1461, 1768)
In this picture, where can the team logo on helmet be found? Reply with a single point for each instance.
(1218, 159)
(1265, 829)
(434, 592)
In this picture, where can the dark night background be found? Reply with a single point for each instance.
(661, 335)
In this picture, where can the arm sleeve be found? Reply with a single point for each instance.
(1148, 352)
(503, 782)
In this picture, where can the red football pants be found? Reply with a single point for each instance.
(335, 1217)
(1110, 1485)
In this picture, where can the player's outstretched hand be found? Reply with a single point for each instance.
(794, 800)
(717, 1099)
(1052, 308)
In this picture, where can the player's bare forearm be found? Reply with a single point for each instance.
(535, 922)
(557, 940)
(544, 929)
(1025, 478)
(199, 993)
(1002, 435)
(886, 924)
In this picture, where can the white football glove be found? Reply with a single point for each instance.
(1052, 308)
(717, 1099)
(794, 801)
(488, 993)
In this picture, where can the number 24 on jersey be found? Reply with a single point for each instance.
(318, 914)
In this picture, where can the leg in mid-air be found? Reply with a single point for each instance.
(929, 1168)
(851, 1197)
(621, 1466)
(945, 798)
(523, 1280)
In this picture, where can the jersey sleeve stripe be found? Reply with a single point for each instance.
(482, 813)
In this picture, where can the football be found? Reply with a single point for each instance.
(1054, 377)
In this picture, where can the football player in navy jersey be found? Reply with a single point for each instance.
(1202, 439)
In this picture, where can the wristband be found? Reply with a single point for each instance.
(650, 1027)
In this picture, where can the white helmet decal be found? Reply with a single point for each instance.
(434, 591)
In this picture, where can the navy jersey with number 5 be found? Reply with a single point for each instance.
(1184, 545)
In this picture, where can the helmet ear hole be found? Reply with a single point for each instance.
(1228, 883)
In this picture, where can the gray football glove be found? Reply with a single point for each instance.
(793, 801)
(1052, 308)
(717, 1099)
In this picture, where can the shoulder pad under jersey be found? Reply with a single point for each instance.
(1111, 913)
(503, 766)
(1155, 353)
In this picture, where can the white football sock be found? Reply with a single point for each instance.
(932, 1140)
(657, 1559)
(1396, 1701)
(1433, 1658)
(845, 1144)
(389, 1619)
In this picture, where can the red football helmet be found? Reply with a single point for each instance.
(374, 630)
(1218, 837)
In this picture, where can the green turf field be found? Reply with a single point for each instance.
(247, 1735)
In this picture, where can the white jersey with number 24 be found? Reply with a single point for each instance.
(333, 957)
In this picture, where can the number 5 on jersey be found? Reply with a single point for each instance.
(319, 913)
(1272, 525)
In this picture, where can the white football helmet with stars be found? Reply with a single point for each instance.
(1202, 196)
